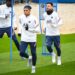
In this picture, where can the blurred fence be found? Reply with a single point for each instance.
(60, 1)
(37, 1)
(19, 1)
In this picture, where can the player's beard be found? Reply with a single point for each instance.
(49, 12)
(9, 5)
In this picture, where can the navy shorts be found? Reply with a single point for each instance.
(52, 39)
(5, 30)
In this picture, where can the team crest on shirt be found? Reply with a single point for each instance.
(49, 21)
(51, 17)
(29, 21)
(24, 25)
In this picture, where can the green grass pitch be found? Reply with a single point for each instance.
(44, 64)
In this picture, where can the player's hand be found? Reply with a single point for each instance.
(26, 27)
(15, 28)
(6, 16)
(19, 34)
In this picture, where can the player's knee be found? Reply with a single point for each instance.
(14, 38)
(57, 45)
(50, 49)
(59, 52)
(1, 36)
(21, 54)
(34, 54)
(58, 48)
(48, 44)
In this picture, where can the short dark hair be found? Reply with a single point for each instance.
(28, 7)
(8, 0)
(50, 3)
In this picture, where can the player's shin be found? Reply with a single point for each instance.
(58, 56)
(34, 58)
(52, 54)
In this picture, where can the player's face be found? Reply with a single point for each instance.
(49, 7)
(8, 3)
(27, 12)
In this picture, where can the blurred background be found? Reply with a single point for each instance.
(66, 10)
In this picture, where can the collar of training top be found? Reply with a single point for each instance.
(27, 7)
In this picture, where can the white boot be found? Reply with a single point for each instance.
(33, 69)
(59, 60)
(29, 61)
(53, 57)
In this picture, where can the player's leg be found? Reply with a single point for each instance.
(57, 46)
(23, 47)
(1, 32)
(14, 38)
(34, 56)
(49, 41)
(8, 31)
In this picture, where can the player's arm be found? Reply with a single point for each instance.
(14, 20)
(2, 16)
(57, 21)
(36, 28)
(19, 27)
(3, 12)
(44, 24)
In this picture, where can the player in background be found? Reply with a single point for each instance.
(51, 28)
(5, 22)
